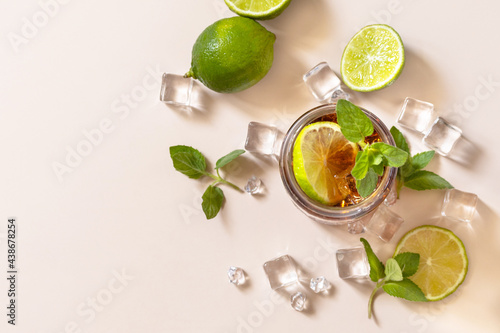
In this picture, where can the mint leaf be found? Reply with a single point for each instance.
(367, 185)
(379, 169)
(407, 169)
(392, 270)
(354, 123)
(406, 289)
(408, 262)
(362, 165)
(420, 160)
(212, 201)
(376, 266)
(228, 158)
(375, 156)
(188, 161)
(425, 180)
(395, 157)
(399, 139)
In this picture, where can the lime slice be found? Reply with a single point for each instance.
(322, 158)
(258, 9)
(373, 59)
(443, 260)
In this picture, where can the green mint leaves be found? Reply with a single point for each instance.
(212, 201)
(371, 161)
(393, 277)
(411, 174)
(188, 161)
(192, 163)
(354, 124)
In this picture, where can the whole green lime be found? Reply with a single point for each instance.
(232, 54)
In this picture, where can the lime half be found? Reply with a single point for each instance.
(258, 9)
(322, 158)
(443, 260)
(373, 59)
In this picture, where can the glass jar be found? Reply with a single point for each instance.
(353, 214)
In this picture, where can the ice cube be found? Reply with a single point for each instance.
(324, 84)
(359, 226)
(416, 115)
(352, 263)
(298, 301)
(442, 136)
(392, 197)
(177, 90)
(281, 272)
(355, 227)
(384, 223)
(253, 186)
(263, 139)
(236, 275)
(459, 205)
(319, 284)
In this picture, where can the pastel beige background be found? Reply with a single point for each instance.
(118, 243)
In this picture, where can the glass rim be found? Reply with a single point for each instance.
(321, 212)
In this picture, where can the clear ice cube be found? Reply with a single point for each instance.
(359, 226)
(442, 136)
(352, 263)
(281, 272)
(253, 186)
(392, 197)
(177, 90)
(319, 284)
(298, 301)
(416, 115)
(384, 223)
(323, 83)
(459, 205)
(236, 275)
(263, 139)
(355, 227)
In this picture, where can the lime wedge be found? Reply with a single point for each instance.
(258, 9)
(322, 158)
(373, 59)
(443, 260)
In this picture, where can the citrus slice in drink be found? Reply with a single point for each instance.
(443, 260)
(258, 9)
(373, 59)
(322, 158)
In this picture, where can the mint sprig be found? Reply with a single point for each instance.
(411, 174)
(393, 277)
(371, 161)
(191, 162)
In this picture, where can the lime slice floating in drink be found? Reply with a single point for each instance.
(373, 59)
(322, 157)
(258, 9)
(443, 260)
